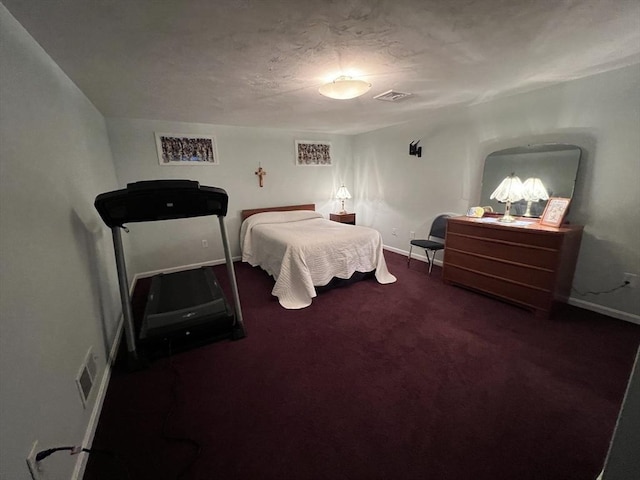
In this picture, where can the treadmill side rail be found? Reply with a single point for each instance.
(125, 300)
(239, 331)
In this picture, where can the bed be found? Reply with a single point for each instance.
(302, 250)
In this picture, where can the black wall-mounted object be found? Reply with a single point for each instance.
(414, 149)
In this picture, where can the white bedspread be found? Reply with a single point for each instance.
(301, 249)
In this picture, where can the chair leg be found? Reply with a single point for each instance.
(429, 261)
(433, 257)
(409, 259)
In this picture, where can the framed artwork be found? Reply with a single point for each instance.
(182, 149)
(313, 153)
(555, 211)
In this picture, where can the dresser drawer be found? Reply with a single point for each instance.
(501, 268)
(500, 233)
(515, 292)
(508, 251)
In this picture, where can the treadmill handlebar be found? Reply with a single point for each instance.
(153, 200)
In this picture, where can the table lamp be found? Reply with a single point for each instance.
(533, 190)
(342, 194)
(509, 190)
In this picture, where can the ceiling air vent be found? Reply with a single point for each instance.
(392, 96)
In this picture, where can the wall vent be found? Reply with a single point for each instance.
(87, 377)
(392, 96)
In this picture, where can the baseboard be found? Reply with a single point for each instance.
(610, 312)
(87, 441)
(414, 255)
(594, 307)
(210, 263)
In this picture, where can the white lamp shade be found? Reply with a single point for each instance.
(344, 88)
(509, 190)
(343, 193)
(533, 190)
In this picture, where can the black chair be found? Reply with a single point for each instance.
(438, 231)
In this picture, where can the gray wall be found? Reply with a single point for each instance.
(161, 245)
(599, 113)
(59, 288)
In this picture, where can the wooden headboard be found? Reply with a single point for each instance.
(286, 208)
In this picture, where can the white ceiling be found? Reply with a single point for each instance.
(260, 62)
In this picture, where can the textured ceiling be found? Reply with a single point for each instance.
(260, 62)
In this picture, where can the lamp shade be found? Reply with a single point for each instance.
(509, 190)
(533, 190)
(343, 193)
(344, 88)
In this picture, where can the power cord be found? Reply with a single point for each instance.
(45, 453)
(75, 449)
(589, 292)
(174, 399)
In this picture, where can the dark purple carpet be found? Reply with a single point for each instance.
(414, 380)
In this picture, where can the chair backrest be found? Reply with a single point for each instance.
(439, 226)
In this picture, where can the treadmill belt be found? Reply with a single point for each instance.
(184, 290)
(184, 303)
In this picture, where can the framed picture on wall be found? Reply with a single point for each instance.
(313, 153)
(183, 149)
(555, 211)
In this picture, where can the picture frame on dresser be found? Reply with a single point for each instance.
(555, 211)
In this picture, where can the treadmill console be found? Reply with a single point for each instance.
(153, 200)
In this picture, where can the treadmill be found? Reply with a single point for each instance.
(187, 308)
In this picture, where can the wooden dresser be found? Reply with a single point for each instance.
(527, 264)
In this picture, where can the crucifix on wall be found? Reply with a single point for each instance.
(261, 173)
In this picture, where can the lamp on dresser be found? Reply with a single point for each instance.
(510, 190)
(533, 190)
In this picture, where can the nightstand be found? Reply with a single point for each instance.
(349, 218)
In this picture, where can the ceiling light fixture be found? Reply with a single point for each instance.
(344, 88)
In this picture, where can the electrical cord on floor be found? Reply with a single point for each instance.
(589, 292)
(74, 449)
(174, 399)
(41, 455)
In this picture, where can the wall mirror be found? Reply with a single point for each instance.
(554, 165)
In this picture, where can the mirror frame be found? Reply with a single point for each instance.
(491, 178)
